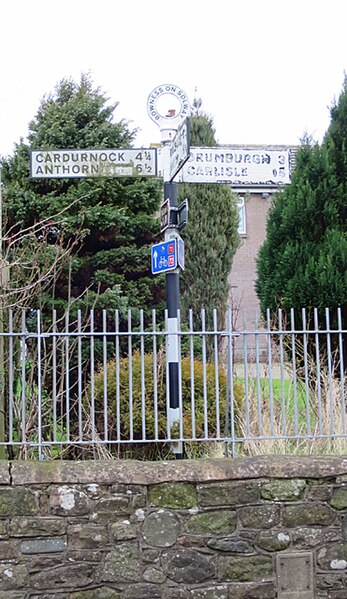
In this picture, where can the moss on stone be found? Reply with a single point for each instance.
(312, 514)
(274, 540)
(339, 498)
(214, 522)
(283, 490)
(99, 593)
(173, 495)
(245, 569)
(17, 502)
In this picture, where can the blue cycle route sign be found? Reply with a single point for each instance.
(164, 256)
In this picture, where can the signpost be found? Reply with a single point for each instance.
(175, 130)
(236, 166)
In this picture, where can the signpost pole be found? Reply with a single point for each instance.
(2, 374)
(172, 306)
(175, 132)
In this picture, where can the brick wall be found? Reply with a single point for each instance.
(243, 274)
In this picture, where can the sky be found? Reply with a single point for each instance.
(267, 71)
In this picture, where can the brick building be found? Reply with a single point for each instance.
(254, 202)
(253, 207)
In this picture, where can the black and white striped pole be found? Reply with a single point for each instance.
(174, 126)
(172, 344)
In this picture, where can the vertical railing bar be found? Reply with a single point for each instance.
(231, 384)
(306, 371)
(39, 384)
(203, 330)
(54, 375)
(143, 381)
(296, 419)
(10, 377)
(180, 399)
(23, 377)
(155, 375)
(79, 374)
(3, 359)
(130, 370)
(92, 374)
(283, 398)
(118, 410)
(226, 407)
(216, 371)
(105, 373)
(318, 370)
(67, 374)
(342, 370)
(246, 371)
(168, 425)
(269, 355)
(330, 374)
(257, 374)
(192, 380)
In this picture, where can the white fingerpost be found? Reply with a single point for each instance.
(169, 118)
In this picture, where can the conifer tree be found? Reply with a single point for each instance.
(211, 237)
(303, 261)
(116, 216)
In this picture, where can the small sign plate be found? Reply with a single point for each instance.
(180, 148)
(295, 579)
(164, 256)
(69, 164)
(180, 252)
(164, 215)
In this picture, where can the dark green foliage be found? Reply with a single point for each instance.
(211, 237)
(211, 240)
(145, 403)
(202, 131)
(336, 139)
(115, 217)
(303, 261)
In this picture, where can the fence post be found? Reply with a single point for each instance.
(344, 337)
(39, 385)
(2, 356)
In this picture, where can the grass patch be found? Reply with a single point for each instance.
(292, 416)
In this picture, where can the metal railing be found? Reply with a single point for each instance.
(95, 385)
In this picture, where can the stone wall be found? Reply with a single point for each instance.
(255, 528)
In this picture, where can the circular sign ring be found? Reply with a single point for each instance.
(170, 121)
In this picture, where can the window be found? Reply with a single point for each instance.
(241, 206)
